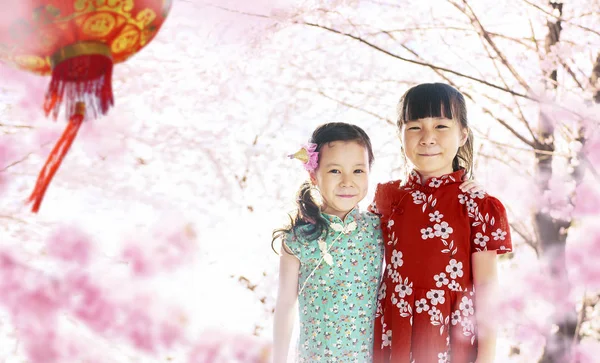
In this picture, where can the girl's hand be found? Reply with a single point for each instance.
(471, 186)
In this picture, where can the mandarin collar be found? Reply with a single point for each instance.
(350, 217)
(415, 180)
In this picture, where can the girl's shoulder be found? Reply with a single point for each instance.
(297, 239)
(389, 189)
(368, 216)
(479, 198)
(299, 234)
(369, 219)
(391, 185)
(386, 195)
(489, 223)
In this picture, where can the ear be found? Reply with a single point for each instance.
(313, 178)
(464, 135)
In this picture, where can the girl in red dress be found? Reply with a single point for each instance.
(440, 243)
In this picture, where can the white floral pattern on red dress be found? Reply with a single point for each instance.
(425, 311)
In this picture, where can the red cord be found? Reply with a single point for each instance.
(54, 160)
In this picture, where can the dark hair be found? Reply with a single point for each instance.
(439, 100)
(309, 212)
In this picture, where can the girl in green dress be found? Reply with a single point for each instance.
(331, 255)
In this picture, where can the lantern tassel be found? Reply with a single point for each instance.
(82, 78)
(56, 157)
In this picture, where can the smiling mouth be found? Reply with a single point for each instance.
(429, 154)
(346, 196)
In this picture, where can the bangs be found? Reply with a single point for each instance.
(424, 101)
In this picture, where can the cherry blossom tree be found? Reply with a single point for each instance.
(530, 70)
(161, 214)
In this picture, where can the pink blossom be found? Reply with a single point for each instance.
(40, 342)
(222, 347)
(137, 327)
(171, 332)
(33, 301)
(592, 149)
(25, 290)
(139, 262)
(31, 87)
(587, 201)
(70, 244)
(89, 303)
(43, 301)
(146, 328)
(164, 251)
(583, 259)
(36, 299)
(588, 350)
(6, 154)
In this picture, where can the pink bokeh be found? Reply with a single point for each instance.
(223, 347)
(35, 299)
(587, 200)
(169, 248)
(6, 157)
(29, 90)
(71, 245)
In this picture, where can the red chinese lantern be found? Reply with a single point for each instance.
(77, 42)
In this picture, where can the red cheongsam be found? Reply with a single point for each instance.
(425, 310)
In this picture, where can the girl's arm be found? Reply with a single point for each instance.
(485, 278)
(285, 308)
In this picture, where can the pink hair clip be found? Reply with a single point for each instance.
(308, 156)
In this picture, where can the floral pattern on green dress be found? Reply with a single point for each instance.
(337, 302)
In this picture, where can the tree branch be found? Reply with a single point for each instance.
(484, 33)
(466, 30)
(429, 65)
(535, 151)
(559, 18)
(508, 127)
(17, 126)
(528, 240)
(371, 45)
(486, 110)
(343, 103)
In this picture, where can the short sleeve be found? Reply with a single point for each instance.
(373, 206)
(375, 223)
(292, 244)
(382, 202)
(490, 230)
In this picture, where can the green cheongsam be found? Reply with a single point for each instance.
(337, 302)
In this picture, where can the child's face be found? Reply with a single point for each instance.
(432, 143)
(342, 176)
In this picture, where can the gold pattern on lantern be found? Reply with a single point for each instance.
(95, 5)
(121, 7)
(146, 17)
(147, 34)
(126, 40)
(112, 22)
(47, 40)
(45, 13)
(99, 25)
(30, 62)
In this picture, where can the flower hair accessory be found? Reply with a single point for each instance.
(308, 156)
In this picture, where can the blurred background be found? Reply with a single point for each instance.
(161, 214)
